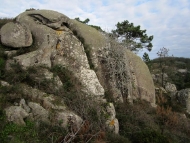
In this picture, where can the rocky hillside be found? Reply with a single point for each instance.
(177, 71)
(176, 80)
(64, 81)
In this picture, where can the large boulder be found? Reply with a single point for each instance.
(59, 41)
(97, 62)
(119, 70)
(16, 35)
(142, 83)
(55, 44)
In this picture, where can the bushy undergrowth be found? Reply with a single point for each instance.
(141, 123)
(138, 122)
(30, 133)
(2, 61)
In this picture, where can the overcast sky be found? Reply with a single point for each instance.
(167, 20)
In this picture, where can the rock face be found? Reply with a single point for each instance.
(99, 64)
(56, 45)
(142, 83)
(119, 71)
(16, 35)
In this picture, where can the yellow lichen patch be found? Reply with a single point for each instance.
(58, 46)
(58, 32)
(112, 123)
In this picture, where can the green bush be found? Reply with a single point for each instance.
(114, 138)
(17, 74)
(2, 66)
(148, 136)
(2, 61)
(64, 75)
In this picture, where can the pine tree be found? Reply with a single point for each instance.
(147, 60)
(133, 36)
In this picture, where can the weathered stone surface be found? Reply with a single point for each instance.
(90, 81)
(11, 53)
(38, 112)
(16, 35)
(170, 87)
(45, 75)
(113, 125)
(47, 100)
(112, 122)
(111, 110)
(142, 81)
(32, 94)
(183, 97)
(4, 83)
(56, 45)
(182, 71)
(158, 78)
(162, 89)
(35, 58)
(63, 118)
(16, 114)
(128, 75)
(49, 103)
(24, 106)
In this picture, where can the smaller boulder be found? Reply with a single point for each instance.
(4, 83)
(112, 122)
(183, 97)
(44, 75)
(16, 35)
(170, 87)
(162, 90)
(24, 106)
(62, 118)
(16, 114)
(38, 112)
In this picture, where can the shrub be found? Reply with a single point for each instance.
(2, 65)
(64, 75)
(114, 138)
(148, 136)
(30, 133)
(17, 74)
